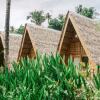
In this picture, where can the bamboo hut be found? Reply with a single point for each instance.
(81, 39)
(38, 38)
(14, 45)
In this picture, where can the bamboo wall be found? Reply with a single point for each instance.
(76, 49)
(71, 44)
(27, 49)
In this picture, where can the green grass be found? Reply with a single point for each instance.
(45, 78)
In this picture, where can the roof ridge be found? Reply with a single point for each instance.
(42, 28)
(82, 16)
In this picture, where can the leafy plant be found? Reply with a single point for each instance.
(96, 80)
(43, 78)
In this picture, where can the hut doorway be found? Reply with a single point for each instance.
(1, 58)
(1, 53)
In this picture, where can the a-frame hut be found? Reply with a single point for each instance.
(81, 39)
(38, 38)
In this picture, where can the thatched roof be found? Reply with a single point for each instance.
(88, 32)
(44, 40)
(14, 45)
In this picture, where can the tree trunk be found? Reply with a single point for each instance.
(7, 21)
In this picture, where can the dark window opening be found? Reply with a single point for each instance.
(1, 58)
(85, 60)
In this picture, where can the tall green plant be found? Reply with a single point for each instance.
(43, 78)
(96, 80)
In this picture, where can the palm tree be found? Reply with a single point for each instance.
(7, 20)
(37, 17)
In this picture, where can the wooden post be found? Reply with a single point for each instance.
(7, 20)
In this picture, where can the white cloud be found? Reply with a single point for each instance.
(21, 8)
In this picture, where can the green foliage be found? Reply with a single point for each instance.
(44, 78)
(56, 23)
(96, 80)
(88, 12)
(37, 17)
(20, 30)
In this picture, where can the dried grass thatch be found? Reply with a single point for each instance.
(14, 45)
(35, 38)
(89, 35)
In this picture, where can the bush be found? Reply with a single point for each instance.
(43, 78)
(20, 30)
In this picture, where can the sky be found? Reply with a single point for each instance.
(21, 8)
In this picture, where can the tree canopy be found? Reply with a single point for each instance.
(37, 17)
(20, 30)
(88, 12)
(56, 23)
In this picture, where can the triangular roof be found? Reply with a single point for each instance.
(88, 33)
(44, 40)
(14, 45)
